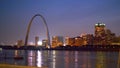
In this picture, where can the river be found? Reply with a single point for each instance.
(61, 59)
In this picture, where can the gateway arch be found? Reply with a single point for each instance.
(45, 24)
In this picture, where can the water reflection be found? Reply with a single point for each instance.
(106, 59)
(39, 59)
(86, 60)
(32, 56)
(62, 59)
(118, 64)
(70, 59)
(76, 59)
(100, 60)
(54, 58)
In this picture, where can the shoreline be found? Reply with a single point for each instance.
(69, 48)
(17, 66)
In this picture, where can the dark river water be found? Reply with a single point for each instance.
(61, 59)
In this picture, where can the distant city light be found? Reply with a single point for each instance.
(31, 43)
(39, 42)
(100, 24)
(64, 44)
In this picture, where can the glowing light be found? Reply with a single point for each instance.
(39, 59)
(96, 24)
(31, 43)
(39, 42)
(64, 44)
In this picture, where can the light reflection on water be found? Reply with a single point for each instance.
(62, 59)
(39, 59)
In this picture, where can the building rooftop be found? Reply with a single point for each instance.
(100, 24)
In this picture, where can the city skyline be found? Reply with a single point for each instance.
(64, 18)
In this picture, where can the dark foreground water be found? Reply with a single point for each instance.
(62, 59)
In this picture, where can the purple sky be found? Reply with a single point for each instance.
(64, 17)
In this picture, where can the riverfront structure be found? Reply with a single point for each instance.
(101, 37)
(57, 41)
(28, 30)
(36, 40)
(100, 34)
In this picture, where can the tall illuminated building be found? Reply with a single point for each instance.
(99, 29)
(99, 33)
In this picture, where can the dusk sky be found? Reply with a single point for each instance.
(64, 18)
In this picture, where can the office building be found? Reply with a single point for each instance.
(99, 34)
(36, 40)
(57, 41)
(69, 41)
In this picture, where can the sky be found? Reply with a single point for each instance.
(64, 18)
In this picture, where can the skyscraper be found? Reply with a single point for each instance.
(99, 33)
(99, 29)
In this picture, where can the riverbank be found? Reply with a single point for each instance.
(67, 47)
(17, 66)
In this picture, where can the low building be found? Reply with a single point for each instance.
(57, 41)
(69, 41)
(20, 43)
(78, 41)
(45, 43)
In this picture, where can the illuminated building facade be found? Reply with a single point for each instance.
(69, 41)
(36, 40)
(44, 43)
(99, 30)
(78, 41)
(99, 34)
(20, 43)
(57, 41)
(88, 39)
(84, 39)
